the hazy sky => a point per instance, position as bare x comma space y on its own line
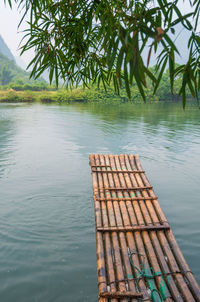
9, 20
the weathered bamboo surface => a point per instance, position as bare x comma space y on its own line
138, 258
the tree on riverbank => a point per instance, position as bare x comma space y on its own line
85, 41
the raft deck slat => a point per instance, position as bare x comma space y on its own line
119, 171
125, 199
121, 295
134, 228
127, 188
133, 236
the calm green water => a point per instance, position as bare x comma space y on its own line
47, 238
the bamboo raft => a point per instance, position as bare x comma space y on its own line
138, 258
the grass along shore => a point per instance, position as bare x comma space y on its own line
66, 96
12, 96
83, 95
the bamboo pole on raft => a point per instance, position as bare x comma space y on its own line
101, 255
144, 234
162, 238
117, 243
158, 250
126, 220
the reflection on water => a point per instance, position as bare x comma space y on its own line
47, 236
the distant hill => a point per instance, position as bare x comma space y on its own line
7, 61
10, 65
10, 71
5, 50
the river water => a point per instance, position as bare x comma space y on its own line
47, 234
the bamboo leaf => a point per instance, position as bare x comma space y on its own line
138, 81
184, 97
51, 74
171, 69
160, 75
127, 85
119, 61
150, 75
171, 44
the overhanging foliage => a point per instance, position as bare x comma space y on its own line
83, 41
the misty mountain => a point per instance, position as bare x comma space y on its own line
4, 50
7, 60
9, 68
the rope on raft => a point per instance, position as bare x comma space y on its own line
149, 274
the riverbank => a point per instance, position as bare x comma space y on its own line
13, 96
62, 95
70, 96
83, 95
79, 95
